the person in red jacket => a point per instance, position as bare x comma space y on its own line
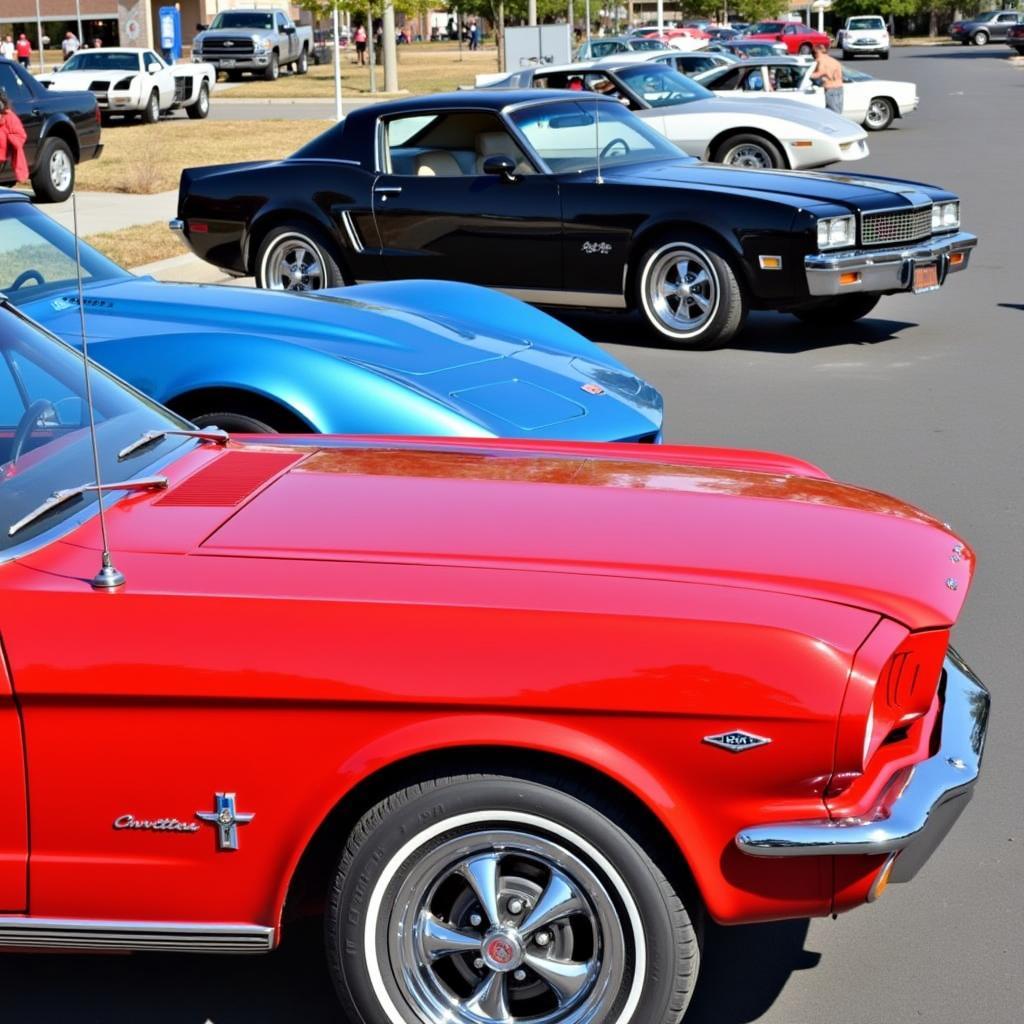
12, 139
23, 48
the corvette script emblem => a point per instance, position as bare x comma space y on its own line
737, 740
227, 820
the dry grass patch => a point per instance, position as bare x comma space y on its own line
147, 158
138, 245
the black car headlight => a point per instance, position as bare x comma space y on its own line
945, 216
836, 232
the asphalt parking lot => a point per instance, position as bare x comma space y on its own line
920, 401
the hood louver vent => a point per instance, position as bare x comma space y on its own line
229, 480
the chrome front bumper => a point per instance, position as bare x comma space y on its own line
917, 810
885, 270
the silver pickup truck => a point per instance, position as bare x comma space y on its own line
258, 41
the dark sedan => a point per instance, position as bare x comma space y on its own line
567, 200
985, 28
1015, 38
63, 129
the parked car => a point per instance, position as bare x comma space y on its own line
864, 36
608, 46
406, 358
693, 63
1015, 38
872, 102
572, 201
136, 82
795, 35
719, 33
675, 38
747, 48
782, 135
63, 130
261, 41
510, 716
984, 28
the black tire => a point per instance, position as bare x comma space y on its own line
881, 113
742, 150
708, 328
302, 64
151, 112
847, 55
199, 110
54, 177
806, 48
272, 70
234, 423
980, 38
844, 309
275, 246
884, 55
234, 76
396, 843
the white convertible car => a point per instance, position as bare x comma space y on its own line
781, 134
136, 82
872, 102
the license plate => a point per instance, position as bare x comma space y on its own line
926, 278
227, 63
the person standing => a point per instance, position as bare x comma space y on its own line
359, 38
828, 73
69, 44
12, 139
7, 48
23, 49
474, 34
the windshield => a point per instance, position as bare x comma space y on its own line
37, 256
569, 136
850, 75
660, 86
44, 436
97, 60
865, 24
243, 19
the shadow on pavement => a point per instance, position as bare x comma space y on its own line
991, 51
745, 968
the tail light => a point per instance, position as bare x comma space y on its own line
99, 116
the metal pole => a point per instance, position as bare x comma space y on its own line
39, 36
390, 49
337, 67
371, 49
661, 17
78, 18
531, 12
458, 30
587, 16
572, 31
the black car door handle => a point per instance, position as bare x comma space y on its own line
36, 112
388, 190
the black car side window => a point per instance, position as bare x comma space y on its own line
12, 84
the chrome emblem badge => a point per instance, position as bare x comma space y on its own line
596, 248
736, 740
951, 583
227, 819
592, 389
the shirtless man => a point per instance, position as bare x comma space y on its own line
828, 72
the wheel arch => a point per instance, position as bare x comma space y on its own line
727, 133
267, 220
60, 127
272, 411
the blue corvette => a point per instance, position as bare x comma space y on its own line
405, 357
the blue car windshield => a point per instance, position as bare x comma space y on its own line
37, 256
661, 86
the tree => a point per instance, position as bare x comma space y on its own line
844, 9
753, 11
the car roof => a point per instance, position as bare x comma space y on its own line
118, 49
10, 195
473, 99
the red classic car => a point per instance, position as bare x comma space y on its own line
796, 35
511, 716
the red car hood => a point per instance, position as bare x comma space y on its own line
743, 519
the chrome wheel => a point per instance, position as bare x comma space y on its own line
681, 289
749, 154
504, 926
61, 170
879, 115
293, 264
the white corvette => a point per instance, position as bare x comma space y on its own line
136, 82
872, 102
780, 134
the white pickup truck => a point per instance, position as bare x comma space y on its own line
258, 41
864, 35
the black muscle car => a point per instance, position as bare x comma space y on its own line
63, 129
569, 200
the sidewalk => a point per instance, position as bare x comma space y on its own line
189, 269
111, 211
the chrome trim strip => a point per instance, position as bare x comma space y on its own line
553, 297
177, 225
912, 801
65, 933
350, 230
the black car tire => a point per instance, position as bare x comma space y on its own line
302, 64
233, 423
980, 38
54, 177
847, 55
710, 278
201, 108
806, 48
512, 831
151, 112
884, 55
234, 76
880, 114
271, 71
844, 309
282, 246
732, 151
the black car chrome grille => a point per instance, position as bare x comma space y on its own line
240, 46
890, 227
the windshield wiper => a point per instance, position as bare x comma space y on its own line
59, 498
213, 434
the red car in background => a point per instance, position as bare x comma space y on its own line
796, 35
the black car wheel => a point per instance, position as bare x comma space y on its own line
296, 260
844, 309
847, 55
806, 48
271, 71
690, 295
54, 178
302, 64
749, 151
479, 899
151, 113
201, 107
234, 423
880, 115
980, 38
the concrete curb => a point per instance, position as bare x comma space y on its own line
289, 101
